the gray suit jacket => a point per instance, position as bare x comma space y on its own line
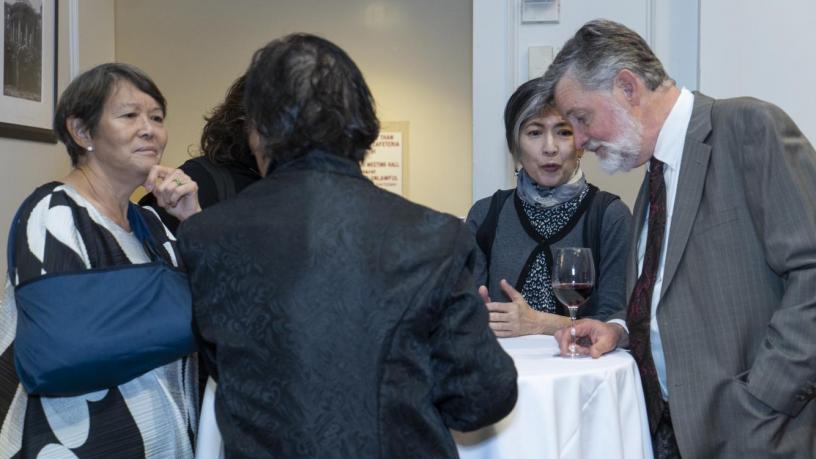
737, 312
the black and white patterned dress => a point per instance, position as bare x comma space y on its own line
151, 416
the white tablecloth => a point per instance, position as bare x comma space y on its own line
567, 408
208, 439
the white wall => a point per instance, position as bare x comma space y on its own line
415, 56
761, 49
26, 164
500, 58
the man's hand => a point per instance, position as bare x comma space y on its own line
603, 337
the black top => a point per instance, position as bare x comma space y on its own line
344, 319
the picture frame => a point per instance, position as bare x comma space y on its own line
386, 164
29, 70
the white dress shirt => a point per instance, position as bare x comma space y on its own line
669, 150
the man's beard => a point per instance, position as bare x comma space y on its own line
620, 154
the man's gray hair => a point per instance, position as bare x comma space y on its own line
598, 51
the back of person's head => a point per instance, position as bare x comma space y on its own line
85, 97
224, 137
598, 51
304, 93
527, 102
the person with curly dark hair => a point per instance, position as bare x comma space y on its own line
226, 164
343, 318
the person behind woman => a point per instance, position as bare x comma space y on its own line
552, 206
343, 316
226, 165
111, 120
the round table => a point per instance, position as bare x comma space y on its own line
566, 408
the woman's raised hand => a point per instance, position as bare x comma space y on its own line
174, 190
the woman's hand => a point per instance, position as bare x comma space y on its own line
174, 190
517, 318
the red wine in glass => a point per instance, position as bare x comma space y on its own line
572, 295
573, 275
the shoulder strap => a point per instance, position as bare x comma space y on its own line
593, 226
224, 184
13, 227
10, 241
486, 232
142, 232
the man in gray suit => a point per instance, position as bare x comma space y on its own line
722, 267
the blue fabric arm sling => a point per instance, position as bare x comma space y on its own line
79, 332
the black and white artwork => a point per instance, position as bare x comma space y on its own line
23, 49
29, 69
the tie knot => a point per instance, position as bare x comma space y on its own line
655, 167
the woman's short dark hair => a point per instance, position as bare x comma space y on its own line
305, 93
527, 102
85, 98
224, 138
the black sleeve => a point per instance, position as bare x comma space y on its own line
475, 378
192, 250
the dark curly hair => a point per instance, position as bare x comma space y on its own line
85, 98
224, 138
305, 93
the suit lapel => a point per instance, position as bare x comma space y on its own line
693, 169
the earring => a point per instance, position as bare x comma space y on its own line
89, 148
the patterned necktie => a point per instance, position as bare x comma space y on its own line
640, 304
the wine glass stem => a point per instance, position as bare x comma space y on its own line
572, 346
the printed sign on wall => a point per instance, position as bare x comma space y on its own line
385, 164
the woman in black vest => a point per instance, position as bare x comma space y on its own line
552, 206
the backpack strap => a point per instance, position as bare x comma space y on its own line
224, 184
13, 230
10, 241
486, 232
593, 226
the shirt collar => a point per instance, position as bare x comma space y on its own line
672, 137
319, 160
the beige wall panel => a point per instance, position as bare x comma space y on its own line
415, 55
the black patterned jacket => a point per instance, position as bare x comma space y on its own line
341, 319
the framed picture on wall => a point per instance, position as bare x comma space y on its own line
29, 73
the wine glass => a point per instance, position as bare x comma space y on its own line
573, 276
